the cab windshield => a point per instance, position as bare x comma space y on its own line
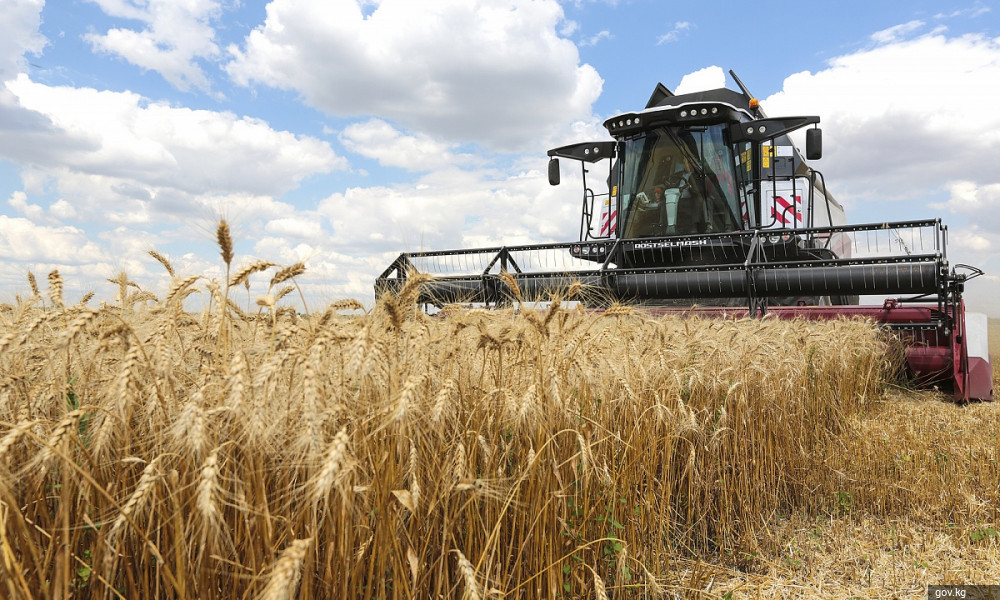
679, 181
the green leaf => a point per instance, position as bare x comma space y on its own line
983, 533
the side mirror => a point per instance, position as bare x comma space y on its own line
814, 143
553, 171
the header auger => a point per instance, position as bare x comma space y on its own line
709, 207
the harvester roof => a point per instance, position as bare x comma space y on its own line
721, 105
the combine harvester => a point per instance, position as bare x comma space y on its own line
709, 206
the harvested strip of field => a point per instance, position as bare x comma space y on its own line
920, 509
149, 452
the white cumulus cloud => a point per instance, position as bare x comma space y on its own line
453, 208
23, 240
295, 227
709, 78
496, 73
377, 139
153, 154
19, 22
904, 116
175, 37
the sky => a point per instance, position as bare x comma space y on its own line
340, 133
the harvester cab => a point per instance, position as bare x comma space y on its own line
711, 162
708, 206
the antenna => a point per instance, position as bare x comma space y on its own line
751, 99
743, 88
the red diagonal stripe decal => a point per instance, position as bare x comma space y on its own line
785, 204
608, 220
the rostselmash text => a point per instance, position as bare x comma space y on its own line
674, 244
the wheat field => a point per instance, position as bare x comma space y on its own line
256, 451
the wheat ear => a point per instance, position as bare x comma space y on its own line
600, 592
208, 489
336, 457
56, 288
163, 261
150, 475
285, 578
287, 273
255, 267
468, 576
225, 241
34, 285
